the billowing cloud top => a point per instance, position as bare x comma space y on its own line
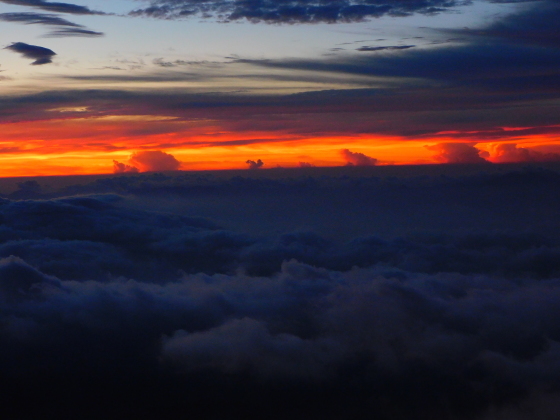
154, 160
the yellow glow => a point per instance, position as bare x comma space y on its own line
89, 145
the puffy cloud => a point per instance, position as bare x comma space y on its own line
41, 55
154, 160
510, 152
101, 297
305, 330
457, 153
255, 165
357, 159
246, 344
121, 168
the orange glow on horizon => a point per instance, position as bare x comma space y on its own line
71, 146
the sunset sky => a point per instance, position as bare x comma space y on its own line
91, 86
384, 244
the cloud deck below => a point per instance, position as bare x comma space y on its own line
120, 297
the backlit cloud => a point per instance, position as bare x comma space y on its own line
121, 168
457, 153
509, 153
154, 160
254, 165
357, 159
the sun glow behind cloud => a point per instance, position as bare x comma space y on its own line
88, 145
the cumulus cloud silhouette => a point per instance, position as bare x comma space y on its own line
154, 160
41, 55
357, 159
121, 168
510, 152
255, 165
457, 153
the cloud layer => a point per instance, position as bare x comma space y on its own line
297, 11
107, 297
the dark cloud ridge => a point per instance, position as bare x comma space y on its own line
54, 7
37, 19
67, 28
297, 11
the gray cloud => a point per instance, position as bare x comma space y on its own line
388, 48
67, 28
534, 25
298, 11
54, 7
37, 19
79, 32
40, 55
105, 294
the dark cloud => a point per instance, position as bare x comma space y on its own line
107, 297
533, 25
390, 48
357, 159
255, 165
67, 28
304, 334
465, 111
41, 55
298, 11
154, 160
59, 33
54, 7
37, 19
485, 61
457, 153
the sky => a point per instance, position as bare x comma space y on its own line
95, 87
385, 243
